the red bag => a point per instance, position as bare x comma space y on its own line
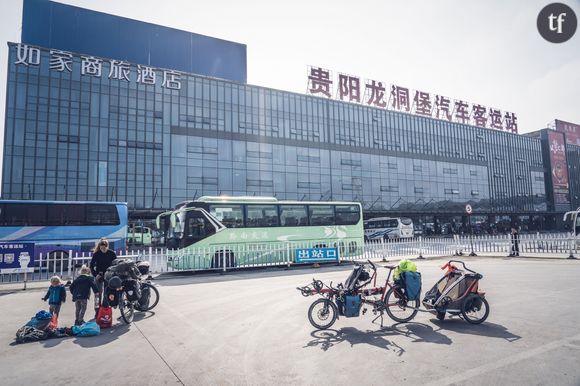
53, 322
105, 317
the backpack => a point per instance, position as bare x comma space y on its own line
104, 317
30, 334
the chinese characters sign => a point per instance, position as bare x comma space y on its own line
397, 98
559, 169
92, 66
571, 130
316, 255
16, 257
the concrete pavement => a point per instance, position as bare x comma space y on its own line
252, 328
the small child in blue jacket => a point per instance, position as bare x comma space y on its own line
56, 295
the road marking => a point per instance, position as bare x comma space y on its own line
158, 354
504, 362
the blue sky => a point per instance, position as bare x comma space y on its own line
486, 52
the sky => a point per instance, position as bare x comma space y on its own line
486, 52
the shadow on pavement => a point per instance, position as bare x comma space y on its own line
142, 315
488, 329
325, 339
107, 336
418, 332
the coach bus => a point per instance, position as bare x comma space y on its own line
58, 227
214, 231
575, 217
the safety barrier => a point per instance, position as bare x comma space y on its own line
240, 256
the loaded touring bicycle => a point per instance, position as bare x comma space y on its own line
456, 293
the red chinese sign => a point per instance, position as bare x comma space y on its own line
398, 98
559, 168
571, 130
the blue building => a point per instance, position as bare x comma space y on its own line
101, 107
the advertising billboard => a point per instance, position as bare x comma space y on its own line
571, 130
559, 170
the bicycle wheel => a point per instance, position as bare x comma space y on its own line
127, 308
153, 298
322, 314
398, 308
475, 309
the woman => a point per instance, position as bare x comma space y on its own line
102, 259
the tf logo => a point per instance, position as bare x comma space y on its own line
557, 23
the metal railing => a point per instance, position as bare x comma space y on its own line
250, 255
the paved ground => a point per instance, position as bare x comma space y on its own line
252, 328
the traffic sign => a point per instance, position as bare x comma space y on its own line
468, 209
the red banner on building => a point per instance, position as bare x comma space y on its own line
571, 130
559, 168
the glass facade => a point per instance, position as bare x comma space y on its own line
71, 136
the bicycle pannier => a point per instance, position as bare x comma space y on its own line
352, 306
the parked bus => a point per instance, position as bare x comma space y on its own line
57, 227
388, 228
575, 218
237, 231
139, 236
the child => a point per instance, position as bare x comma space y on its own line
56, 295
81, 291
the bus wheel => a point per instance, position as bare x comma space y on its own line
352, 247
218, 259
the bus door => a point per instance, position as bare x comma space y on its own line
575, 217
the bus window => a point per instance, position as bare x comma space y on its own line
75, 215
102, 215
321, 215
36, 215
293, 215
347, 214
261, 216
16, 214
232, 216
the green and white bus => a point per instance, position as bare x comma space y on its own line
221, 231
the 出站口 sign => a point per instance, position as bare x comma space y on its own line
398, 98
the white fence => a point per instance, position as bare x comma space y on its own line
225, 258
